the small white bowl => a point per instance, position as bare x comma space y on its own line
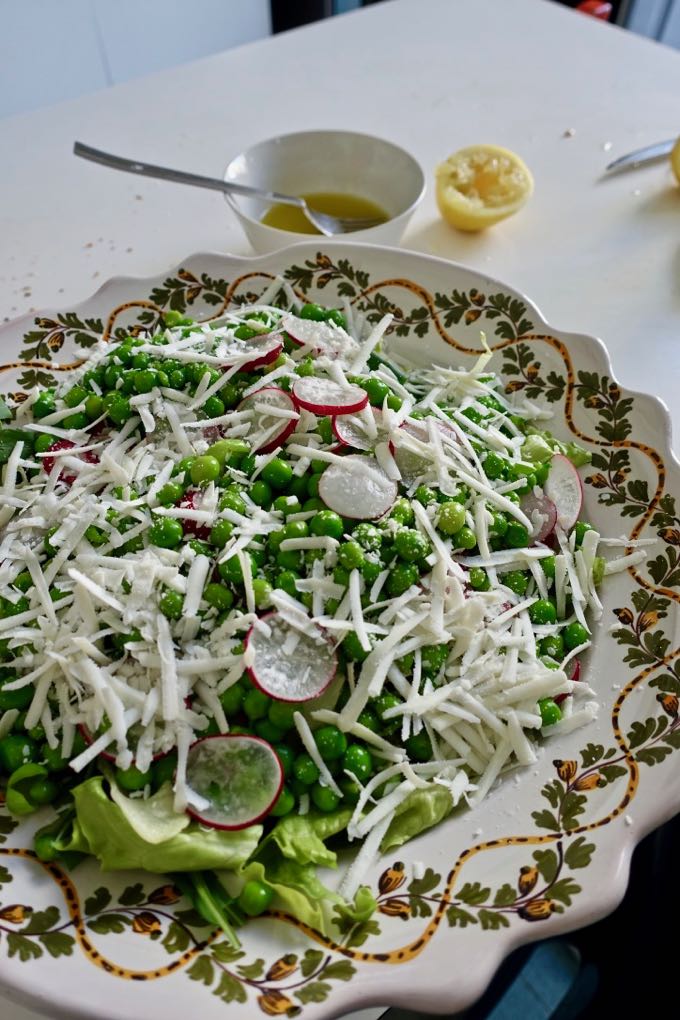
335, 161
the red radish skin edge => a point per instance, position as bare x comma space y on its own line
277, 697
575, 676
263, 359
251, 821
287, 428
329, 409
336, 425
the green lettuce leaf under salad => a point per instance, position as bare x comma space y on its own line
272, 528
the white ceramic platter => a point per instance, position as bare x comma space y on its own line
547, 851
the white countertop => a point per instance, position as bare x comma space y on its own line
566, 92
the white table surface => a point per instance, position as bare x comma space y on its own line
565, 91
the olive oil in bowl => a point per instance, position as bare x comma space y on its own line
288, 217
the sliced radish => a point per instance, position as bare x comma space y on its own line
286, 663
564, 488
413, 465
323, 337
542, 513
351, 430
575, 676
264, 349
323, 396
233, 780
191, 500
357, 488
269, 431
89, 456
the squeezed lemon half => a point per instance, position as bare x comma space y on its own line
481, 185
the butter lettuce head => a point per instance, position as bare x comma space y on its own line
117, 834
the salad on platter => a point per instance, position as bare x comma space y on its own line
268, 593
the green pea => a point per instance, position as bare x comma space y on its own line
551, 712
517, 581
144, 380
370, 570
266, 729
221, 533
499, 524
281, 714
76, 421
305, 769
313, 485
553, 645
17, 749
289, 560
542, 471
171, 604
331, 742
327, 522
20, 698
493, 465
231, 700
369, 719
580, 529
256, 704
401, 578
287, 505
353, 648
377, 391
574, 634
261, 493
425, 495
433, 658
42, 791
262, 591
286, 756
231, 571
465, 539
473, 415
248, 464
419, 747
351, 791
357, 760
325, 430
255, 898
368, 536
119, 410
244, 333
548, 566
232, 501
285, 803
23, 581
286, 581
213, 407
542, 612
163, 770
351, 555
411, 545
166, 532
170, 493
314, 312
451, 517
218, 596
52, 758
402, 511
278, 473
336, 316
205, 469
324, 798
295, 529
478, 579
44, 404
94, 406
517, 536
381, 705
43, 443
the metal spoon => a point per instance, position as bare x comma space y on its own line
328, 225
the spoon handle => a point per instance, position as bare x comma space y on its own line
164, 173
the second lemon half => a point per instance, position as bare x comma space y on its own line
481, 185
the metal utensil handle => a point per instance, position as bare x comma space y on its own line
164, 173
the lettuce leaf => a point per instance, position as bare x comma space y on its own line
103, 829
539, 446
301, 837
155, 819
419, 811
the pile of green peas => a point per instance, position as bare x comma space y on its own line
105, 391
